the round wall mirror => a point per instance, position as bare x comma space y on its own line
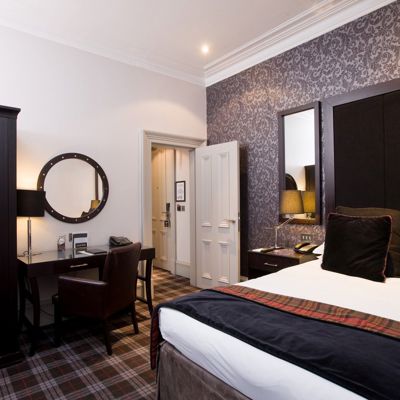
76, 187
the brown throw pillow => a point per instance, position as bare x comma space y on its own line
357, 246
394, 248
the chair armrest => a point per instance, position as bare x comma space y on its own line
82, 297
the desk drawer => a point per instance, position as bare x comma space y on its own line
77, 264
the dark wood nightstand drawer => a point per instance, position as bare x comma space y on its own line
265, 263
270, 261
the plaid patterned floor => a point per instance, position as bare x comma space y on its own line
81, 369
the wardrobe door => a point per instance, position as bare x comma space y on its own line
392, 149
359, 153
9, 349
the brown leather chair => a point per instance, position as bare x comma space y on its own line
101, 299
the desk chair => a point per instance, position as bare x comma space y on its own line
101, 299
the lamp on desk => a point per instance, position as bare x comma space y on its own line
291, 203
30, 203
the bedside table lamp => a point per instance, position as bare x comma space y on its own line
308, 203
30, 203
291, 203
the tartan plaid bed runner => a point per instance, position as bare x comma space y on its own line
316, 310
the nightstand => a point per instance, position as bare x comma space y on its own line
265, 263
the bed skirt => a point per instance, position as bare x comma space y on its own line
179, 378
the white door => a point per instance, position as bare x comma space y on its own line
163, 216
217, 215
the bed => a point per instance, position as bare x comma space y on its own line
197, 358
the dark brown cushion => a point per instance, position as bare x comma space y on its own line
357, 246
394, 248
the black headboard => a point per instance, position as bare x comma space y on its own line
362, 148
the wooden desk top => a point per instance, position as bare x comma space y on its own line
60, 262
69, 255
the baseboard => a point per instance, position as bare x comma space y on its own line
9, 359
182, 269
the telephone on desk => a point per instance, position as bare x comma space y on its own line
305, 247
116, 241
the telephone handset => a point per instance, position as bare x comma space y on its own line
305, 247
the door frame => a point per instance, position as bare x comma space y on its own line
147, 139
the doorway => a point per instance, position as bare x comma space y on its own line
171, 207
214, 213
185, 249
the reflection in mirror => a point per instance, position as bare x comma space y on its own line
299, 158
80, 192
76, 187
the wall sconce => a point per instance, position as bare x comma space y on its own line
30, 203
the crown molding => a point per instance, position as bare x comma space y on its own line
163, 67
322, 18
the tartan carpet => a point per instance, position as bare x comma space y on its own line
81, 368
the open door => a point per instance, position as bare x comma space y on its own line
217, 215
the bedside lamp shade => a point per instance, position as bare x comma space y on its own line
94, 204
30, 203
308, 201
291, 202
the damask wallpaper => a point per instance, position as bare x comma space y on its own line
244, 108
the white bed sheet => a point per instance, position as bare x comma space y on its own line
260, 375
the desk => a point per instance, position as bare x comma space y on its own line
60, 262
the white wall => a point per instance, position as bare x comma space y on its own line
73, 101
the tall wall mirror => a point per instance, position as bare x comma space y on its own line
299, 164
76, 187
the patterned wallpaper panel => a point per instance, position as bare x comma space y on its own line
244, 107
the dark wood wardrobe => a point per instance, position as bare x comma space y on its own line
363, 148
9, 348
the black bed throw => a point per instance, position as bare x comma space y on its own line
364, 362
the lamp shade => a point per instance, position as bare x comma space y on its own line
291, 202
94, 204
308, 201
30, 203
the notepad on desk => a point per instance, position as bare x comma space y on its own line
96, 251
90, 252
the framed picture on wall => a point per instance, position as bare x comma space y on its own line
180, 191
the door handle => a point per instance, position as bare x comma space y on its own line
230, 220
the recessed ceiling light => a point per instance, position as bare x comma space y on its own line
205, 49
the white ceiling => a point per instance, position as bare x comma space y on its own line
166, 35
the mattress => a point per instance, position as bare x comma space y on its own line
260, 375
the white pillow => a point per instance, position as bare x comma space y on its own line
319, 249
